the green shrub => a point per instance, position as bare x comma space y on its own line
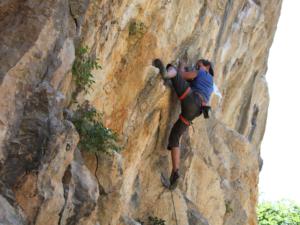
82, 68
94, 136
153, 221
156, 221
228, 207
278, 213
137, 28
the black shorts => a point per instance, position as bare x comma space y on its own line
190, 109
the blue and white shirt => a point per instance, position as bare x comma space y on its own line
203, 83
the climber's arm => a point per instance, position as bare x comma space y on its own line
189, 75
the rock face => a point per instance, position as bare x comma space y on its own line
46, 180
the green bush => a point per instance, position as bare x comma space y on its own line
82, 68
278, 213
153, 221
156, 221
94, 136
137, 28
228, 207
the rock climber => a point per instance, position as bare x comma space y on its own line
193, 89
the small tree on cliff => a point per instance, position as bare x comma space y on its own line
94, 136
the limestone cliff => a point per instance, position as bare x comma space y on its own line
46, 180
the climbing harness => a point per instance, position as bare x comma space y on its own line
184, 120
204, 107
185, 93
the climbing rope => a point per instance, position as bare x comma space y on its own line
174, 208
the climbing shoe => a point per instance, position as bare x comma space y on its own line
160, 65
174, 178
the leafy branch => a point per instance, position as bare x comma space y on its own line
82, 69
94, 136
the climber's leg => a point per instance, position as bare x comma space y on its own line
175, 154
177, 130
174, 178
181, 86
189, 110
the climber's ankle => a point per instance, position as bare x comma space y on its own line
175, 170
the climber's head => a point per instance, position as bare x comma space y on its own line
205, 65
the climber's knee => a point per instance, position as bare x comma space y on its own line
181, 86
176, 133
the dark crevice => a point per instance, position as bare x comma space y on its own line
101, 188
135, 197
246, 107
257, 2
66, 182
202, 11
221, 30
253, 121
77, 11
260, 162
243, 115
74, 18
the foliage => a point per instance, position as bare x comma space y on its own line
137, 28
82, 69
228, 207
153, 221
94, 136
278, 213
